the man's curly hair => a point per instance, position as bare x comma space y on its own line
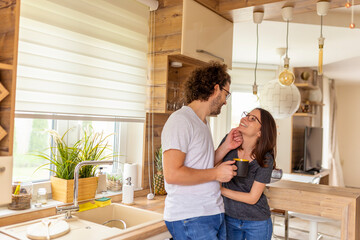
201, 82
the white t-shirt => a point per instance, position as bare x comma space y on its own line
185, 131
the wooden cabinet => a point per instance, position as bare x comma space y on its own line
205, 35
9, 29
309, 113
186, 31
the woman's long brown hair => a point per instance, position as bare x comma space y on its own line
266, 143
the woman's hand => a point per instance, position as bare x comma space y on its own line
224, 191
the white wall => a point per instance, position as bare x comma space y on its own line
284, 141
348, 119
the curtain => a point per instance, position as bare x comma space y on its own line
336, 173
83, 57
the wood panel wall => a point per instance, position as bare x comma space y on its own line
152, 141
164, 47
165, 26
9, 31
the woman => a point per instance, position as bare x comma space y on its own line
247, 212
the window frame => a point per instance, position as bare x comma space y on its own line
120, 131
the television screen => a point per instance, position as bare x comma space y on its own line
313, 148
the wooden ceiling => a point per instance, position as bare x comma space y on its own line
242, 10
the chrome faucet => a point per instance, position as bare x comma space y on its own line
75, 206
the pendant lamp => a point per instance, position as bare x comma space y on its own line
322, 9
257, 18
286, 77
281, 101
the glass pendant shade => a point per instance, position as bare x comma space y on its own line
281, 101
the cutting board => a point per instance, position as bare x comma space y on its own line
38, 231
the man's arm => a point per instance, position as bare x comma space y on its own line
175, 172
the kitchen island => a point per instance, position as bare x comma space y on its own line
320, 200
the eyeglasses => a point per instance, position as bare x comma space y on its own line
250, 117
228, 93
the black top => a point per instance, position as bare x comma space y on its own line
259, 211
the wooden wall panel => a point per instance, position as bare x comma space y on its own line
7, 33
9, 30
152, 141
6, 113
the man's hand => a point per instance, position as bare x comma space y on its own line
234, 139
225, 171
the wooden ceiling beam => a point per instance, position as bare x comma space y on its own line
242, 10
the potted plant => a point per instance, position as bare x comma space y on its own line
159, 186
91, 147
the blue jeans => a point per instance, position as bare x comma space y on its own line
199, 228
249, 230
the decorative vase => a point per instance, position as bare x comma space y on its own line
63, 190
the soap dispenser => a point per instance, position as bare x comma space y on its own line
101, 181
128, 192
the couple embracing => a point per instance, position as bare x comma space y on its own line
197, 206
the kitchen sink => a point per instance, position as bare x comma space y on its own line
89, 224
133, 217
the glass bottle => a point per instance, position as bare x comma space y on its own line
41, 196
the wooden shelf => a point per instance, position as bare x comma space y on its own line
6, 66
304, 115
305, 85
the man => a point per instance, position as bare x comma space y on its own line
194, 206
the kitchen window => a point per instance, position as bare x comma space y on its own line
31, 137
241, 101
80, 64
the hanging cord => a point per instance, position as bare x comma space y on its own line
150, 130
287, 37
255, 89
321, 25
257, 51
352, 12
153, 97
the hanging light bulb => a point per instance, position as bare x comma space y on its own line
347, 4
257, 18
286, 77
322, 8
352, 24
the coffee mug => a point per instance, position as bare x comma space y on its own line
242, 167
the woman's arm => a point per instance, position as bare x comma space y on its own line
250, 198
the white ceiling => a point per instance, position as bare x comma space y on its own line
341, 49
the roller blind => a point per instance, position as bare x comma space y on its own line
83, 57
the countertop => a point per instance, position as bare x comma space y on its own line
157, 205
